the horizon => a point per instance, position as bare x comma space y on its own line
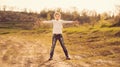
65, 5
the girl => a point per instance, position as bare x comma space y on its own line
57, 34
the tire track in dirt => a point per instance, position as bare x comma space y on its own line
30, 53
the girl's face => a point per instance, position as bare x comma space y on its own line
57, 17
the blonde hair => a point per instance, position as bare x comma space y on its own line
57, 13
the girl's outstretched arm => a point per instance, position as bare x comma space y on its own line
47, 21
63, 21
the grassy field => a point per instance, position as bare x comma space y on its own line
95, 46
88, 47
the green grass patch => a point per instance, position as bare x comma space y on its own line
79, 29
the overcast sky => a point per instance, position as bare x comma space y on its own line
37, 5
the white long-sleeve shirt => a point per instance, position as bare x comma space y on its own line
57, 25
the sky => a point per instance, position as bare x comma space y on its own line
37, 5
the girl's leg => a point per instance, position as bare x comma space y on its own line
54, 39
63, 46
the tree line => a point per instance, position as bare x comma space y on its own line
84, 16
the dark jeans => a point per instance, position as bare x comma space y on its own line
54, 40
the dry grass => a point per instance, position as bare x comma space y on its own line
88, 47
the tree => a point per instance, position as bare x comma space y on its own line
4, 8
117, 17
43, 14
118, 10
48, 16
75, 15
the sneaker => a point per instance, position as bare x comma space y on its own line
50, 59
68, 58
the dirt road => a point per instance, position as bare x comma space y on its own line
17, 51
28, 50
